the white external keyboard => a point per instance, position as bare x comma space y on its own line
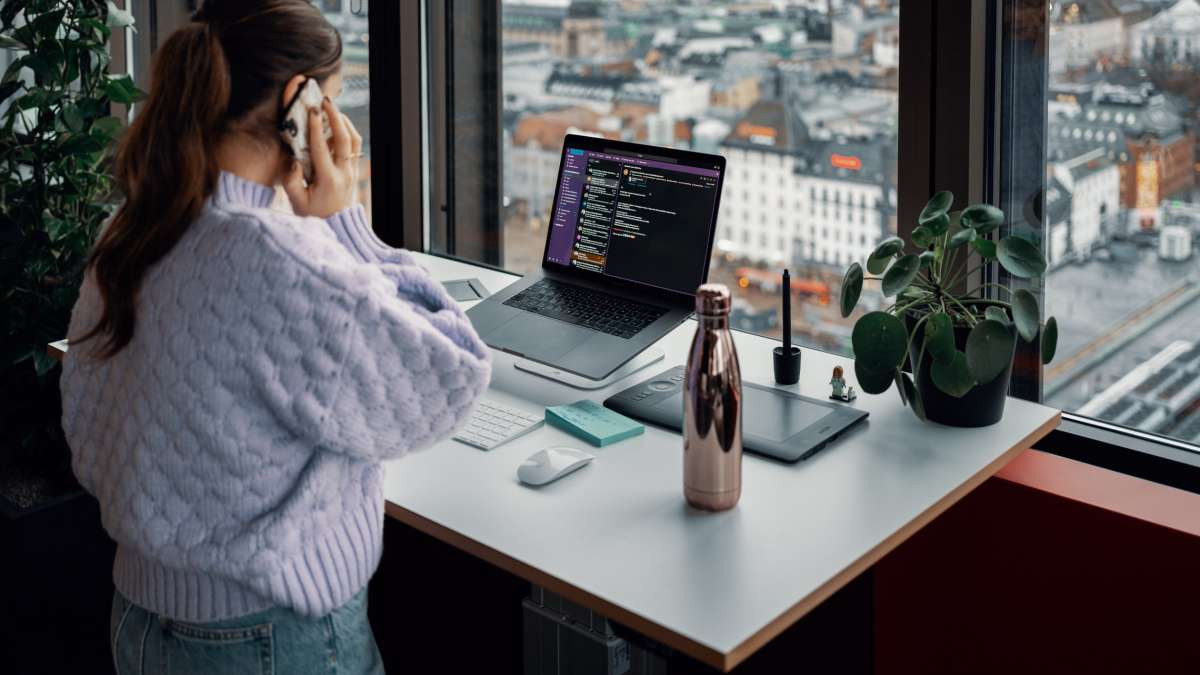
493, 424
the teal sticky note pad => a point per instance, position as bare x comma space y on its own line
592, 422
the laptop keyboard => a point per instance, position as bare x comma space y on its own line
585, 307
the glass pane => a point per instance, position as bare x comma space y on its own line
350, 18
800, 97
7, 56
1121, 212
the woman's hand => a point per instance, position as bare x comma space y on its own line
335, 167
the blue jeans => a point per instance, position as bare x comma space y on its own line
274, 641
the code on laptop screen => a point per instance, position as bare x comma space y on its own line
633, 218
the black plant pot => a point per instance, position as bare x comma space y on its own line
982, 405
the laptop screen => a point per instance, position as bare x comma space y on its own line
646, 218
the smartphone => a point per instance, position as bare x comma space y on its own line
294, 125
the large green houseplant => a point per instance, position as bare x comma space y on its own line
56, 131
959, 344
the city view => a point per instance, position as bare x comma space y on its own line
350, 18
801, 97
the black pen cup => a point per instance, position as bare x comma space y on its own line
787, 366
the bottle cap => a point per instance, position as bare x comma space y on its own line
712, 300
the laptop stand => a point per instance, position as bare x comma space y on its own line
646, 358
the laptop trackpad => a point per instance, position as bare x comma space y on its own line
538, 337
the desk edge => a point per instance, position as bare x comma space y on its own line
531, 574
793, 614
704, 653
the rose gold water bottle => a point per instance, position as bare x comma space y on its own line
712, 408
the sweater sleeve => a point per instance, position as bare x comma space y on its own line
400, 365
354, 232
412, 281
411, 375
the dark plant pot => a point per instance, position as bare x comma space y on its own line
983, 405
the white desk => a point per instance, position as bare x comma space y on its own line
618, 537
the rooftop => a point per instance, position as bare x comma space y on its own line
1183, 18
1084, 12
548, 129
1058, 200
1108, 117
771, 126
1088, 163
765, 126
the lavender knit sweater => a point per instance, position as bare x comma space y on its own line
235, 443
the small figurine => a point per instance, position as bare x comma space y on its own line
841, 392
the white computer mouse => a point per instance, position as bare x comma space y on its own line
548, 465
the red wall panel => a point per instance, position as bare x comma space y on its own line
1016, 579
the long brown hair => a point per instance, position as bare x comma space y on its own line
223, 72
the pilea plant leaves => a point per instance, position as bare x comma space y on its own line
1025, 314
961, 238
870, 381
852, 284
952, 375
996, 314
989, 350
937, 205
879, 259
1020, 258
900, 274
982, 218
879, 341
927, 287
908, 392
937, 225
1049, 339
985, 247
939, 336
922, 236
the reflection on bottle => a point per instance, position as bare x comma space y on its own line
712, 408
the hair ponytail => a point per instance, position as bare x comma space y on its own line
172, 140
222, 71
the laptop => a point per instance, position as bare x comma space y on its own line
630, 236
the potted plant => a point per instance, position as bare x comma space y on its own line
959, 344
56, 132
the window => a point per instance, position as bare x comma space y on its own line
351, 19
1117, 228
700, 76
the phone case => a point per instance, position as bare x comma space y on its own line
294, 127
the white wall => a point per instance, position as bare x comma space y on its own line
1057, 244
766, 207
1079, 45
530, 173
684, 97
1095, 197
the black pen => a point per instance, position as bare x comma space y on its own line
787, 312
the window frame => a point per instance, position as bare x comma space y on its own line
397, 149
463, 43
953, 92
1149, 456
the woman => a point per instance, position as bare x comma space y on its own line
236, 374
